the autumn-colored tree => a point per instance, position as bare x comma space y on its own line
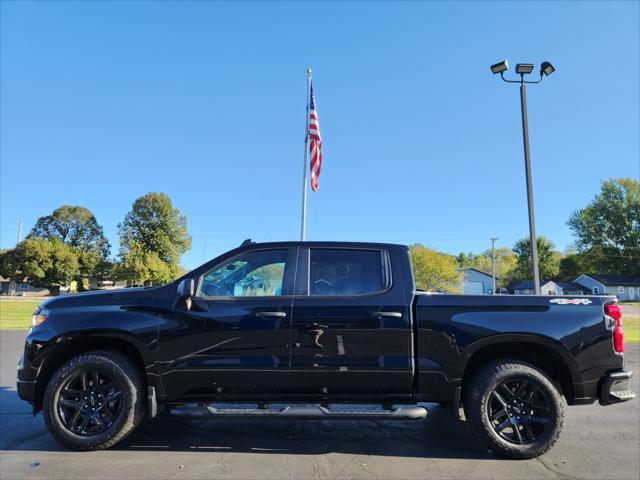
433, 270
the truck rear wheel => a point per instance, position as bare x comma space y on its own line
94, 400
516, 408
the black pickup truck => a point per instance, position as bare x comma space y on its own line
330, 330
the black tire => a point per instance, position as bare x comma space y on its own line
129, 404
516, 426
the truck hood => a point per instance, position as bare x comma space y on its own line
122, 296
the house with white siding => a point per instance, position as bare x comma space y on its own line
547, 287
625, 287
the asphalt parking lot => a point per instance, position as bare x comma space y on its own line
596, 442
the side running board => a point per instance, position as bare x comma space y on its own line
309, 412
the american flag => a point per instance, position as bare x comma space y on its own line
315, 144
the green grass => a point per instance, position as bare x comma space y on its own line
16, 313
631, 325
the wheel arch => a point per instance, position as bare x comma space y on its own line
541, 352
64, 350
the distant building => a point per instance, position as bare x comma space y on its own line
96, 283
547, 287
21, 289
476, 281
573, 288
625, 287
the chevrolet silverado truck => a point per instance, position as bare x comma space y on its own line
319, 331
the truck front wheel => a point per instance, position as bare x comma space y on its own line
516, 408
94, 400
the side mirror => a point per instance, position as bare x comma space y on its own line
186, 290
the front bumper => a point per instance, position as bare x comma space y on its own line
30, 363
27, 390
615, 387
26, 386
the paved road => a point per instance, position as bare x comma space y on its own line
596, 442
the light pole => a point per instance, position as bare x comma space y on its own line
493, 261
523, 69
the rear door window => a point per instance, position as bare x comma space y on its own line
336, 272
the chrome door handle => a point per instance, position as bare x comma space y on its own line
271, 314
387, 314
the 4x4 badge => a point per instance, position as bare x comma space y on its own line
571, 301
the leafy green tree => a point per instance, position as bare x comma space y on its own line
572, 266
43, 263
607, 230
153, 237
548, 261
144, 266
75, 226
434, 270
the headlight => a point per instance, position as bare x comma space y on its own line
39, 316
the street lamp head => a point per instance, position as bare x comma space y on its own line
500, 67
524, 68
546, 68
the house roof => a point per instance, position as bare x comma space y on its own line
571, 286
528, 284
479, 271
628, 280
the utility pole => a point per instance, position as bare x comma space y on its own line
493, 261
19, 222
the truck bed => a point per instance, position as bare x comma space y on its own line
569, 333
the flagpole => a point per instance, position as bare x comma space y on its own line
303, 225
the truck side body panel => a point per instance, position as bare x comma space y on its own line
451, 328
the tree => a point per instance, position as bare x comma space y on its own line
43, 263
572, 266
548, 261
74, 225
607, 230
153, 237
140, 265
77, 227
434, 270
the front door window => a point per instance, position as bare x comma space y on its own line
253, 274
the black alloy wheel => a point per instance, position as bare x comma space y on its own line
519, 410
515, 407
94, 400
89, 402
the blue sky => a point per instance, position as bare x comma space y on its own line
103, 102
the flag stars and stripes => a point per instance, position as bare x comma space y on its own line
315, 142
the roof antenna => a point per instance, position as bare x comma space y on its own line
246, 242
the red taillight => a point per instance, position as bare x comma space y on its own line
613, 310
